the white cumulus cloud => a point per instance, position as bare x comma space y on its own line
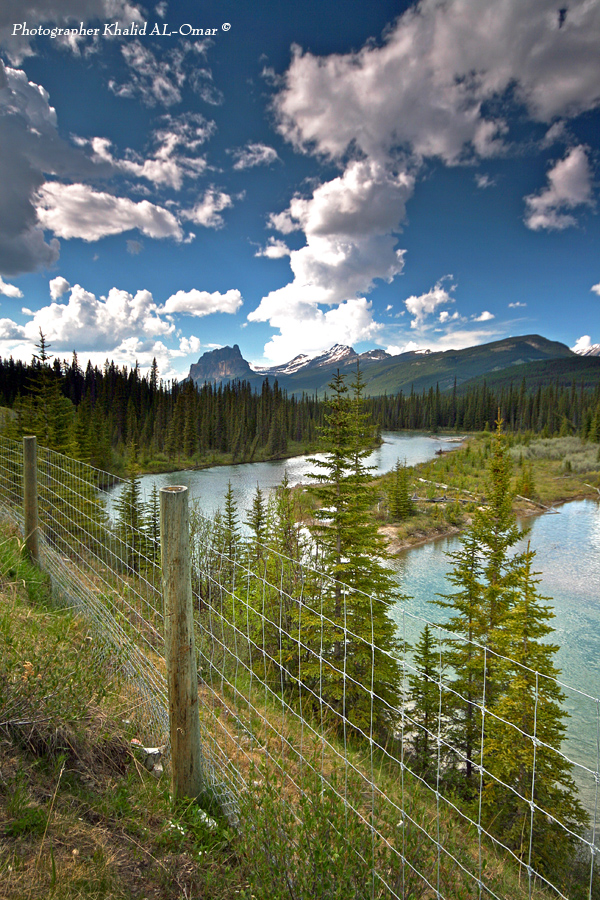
426, 304
207, 211
581, 344
306, 326
569, 186
202, 303
427, 84
348, 224
596, 288
485, 316
9, 290
254, 155
88, 322
189, 345
275, 249
77, 211
58, 287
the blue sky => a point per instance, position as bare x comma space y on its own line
286, 176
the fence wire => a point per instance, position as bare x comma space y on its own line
277, 644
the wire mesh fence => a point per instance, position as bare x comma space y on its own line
443, 793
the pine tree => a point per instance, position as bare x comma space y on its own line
425, 696
400, 503
524, 755
47, 413
153, 525
131, 517
360, 640
465, 655
496, 532
485, 574
258, 522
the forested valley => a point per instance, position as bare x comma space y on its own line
97, 413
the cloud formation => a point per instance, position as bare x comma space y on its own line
202, 303
349, 245
32, 149
58, 287
569, 186
427, 87
10, 290
596, 288
274, 249
77, 211
254, 155
207, 211
582, 344
160, 81
426, 304
436, 87
175, 156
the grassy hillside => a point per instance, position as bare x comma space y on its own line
80, 817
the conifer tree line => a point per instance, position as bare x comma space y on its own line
551, 410
94, 415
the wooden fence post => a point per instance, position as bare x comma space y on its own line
30, 498
180, 652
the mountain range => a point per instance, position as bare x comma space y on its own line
531, 354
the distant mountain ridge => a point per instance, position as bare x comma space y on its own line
338, 355
383, 373
592, 350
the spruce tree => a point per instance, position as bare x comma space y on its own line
131, 517
465, 654
400, 503
524, 737
425, 697
356, 633
258, 523
485, 574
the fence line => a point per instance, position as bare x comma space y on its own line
263, 628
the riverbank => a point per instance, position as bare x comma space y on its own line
446, 490
162, 464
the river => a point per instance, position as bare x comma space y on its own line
209, 486
567, 545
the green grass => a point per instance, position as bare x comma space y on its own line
79, 816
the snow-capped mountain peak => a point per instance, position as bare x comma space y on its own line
592, 350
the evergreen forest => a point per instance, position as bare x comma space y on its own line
95, 413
